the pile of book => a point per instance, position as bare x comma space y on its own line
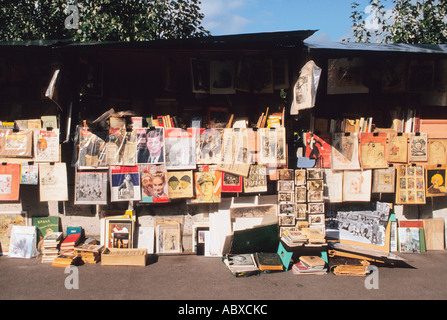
89, 251
294, 238
69, 243
65, 261
314, 236
253, 262
310, 265
50, 246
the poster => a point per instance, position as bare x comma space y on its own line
384, 180
208, 185
180, 184
410, 184
46, 145
209, 145
53, 182
16, 144
7, 221
318, 147
398, 148
92, 148
154, 187
345, 151
29, 173
9, 181
150, 145
272, 146
346, 75
435, 180
373, 150
122, 147
418, 147
91, 187
236, 152
357, 185
180, 149
125, 183
305, 88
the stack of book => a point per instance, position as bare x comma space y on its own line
89, 252
310, 265
314, 236
294, 238
241, 263
65, 261
68, 244
50, 246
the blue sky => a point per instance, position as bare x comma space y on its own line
330, 17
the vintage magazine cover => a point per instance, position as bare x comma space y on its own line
180, 184
122, 147
208, 185
9, 181
125, 183
398, 148
231, 182
180, 149
272, 146
437, 151
373, 150
318, 147
435, 180
91, 187
209, 145
92, 148
46, 145
154, 187
418, 147
410, 184
256, 180
357, 185
150, 145
16, 144
53, 182
7, 221
345, 151
236, 153
384, 180
29, 173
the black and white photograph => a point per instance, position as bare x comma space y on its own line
91, 187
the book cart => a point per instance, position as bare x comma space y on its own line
340, 152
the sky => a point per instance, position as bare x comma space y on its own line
330, 17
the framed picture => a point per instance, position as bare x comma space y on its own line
300, 177
285, 196
222, 76
313, 208
286, 220
119, 232
316, 218
346, 75
301, 194
314, 173
168, 238
409, 240
301, 211
315, 190
435, 180
200, 75
287, 208
410, 184
286, 174
91, 187
384, 180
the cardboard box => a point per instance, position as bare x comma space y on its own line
124, 257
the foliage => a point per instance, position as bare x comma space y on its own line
407, 21
100, 20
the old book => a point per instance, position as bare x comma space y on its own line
313, 262
268, 261
342, 266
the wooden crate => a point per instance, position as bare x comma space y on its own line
124, 257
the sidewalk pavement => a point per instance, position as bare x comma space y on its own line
194, 279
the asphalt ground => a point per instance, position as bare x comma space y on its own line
184, 282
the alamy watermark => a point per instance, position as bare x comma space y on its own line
72, 280
72, 21
372, 279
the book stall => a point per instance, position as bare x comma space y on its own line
290, 171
